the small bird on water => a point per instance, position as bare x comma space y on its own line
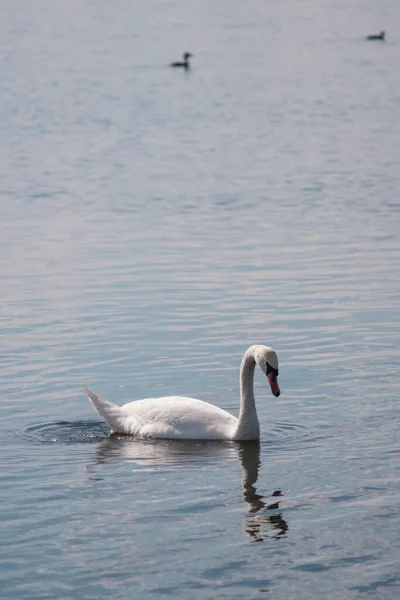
185, 63
377, 36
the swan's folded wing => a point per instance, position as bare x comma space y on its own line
180, 417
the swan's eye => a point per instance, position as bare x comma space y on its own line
274, 372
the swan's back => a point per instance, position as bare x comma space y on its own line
173, 417
180, 417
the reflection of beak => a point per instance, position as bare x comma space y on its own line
273, 382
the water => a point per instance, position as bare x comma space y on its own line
154, 223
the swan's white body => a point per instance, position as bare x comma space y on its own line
179, 417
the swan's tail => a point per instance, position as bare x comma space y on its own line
112, 414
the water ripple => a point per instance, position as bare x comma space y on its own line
79, 432
67, 432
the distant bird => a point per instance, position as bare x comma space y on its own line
377, 36
185, 63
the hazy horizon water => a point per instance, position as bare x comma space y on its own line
154, 224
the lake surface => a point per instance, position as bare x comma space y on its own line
154, 224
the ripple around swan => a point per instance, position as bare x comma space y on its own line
67, 432
81, 432
282, 431
284, 436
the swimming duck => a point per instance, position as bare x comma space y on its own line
377, 36
185, 63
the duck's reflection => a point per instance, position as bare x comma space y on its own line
261, 523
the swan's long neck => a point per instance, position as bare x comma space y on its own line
248, 426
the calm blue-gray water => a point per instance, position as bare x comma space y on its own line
154, 224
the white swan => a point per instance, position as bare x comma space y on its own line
178, 417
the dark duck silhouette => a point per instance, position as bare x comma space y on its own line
377, 36
185, 63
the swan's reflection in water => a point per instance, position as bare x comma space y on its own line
152, 455
260, 523
155, 455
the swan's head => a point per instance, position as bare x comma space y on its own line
187, 55
267, 360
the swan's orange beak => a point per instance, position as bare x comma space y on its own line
273, 382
